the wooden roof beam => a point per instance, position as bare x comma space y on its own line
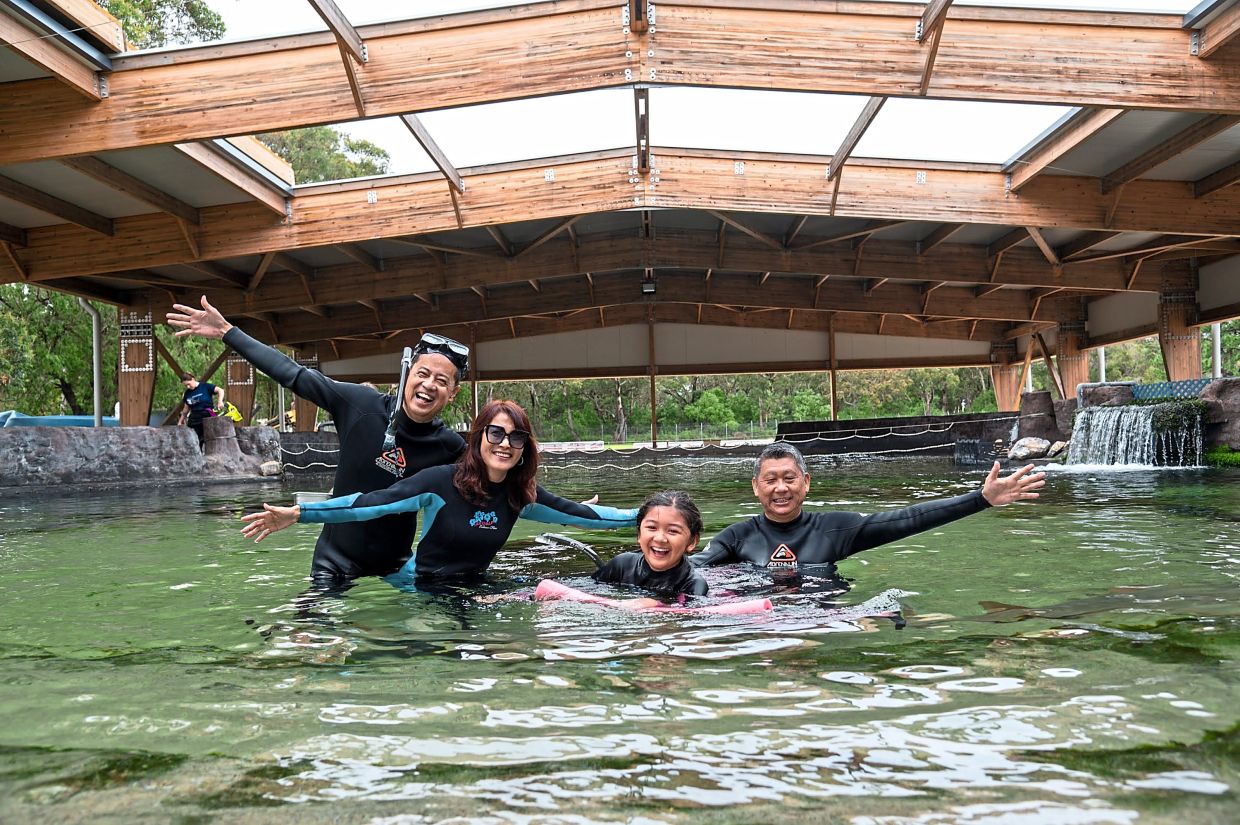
1073, 132
753, 233
1161, 244
561, 226
1198, 133
937, 237
126, 183
1206, 41
94, 23
360, 255
341, 29
260, 271
12, 234
864, 232
219, 273
929, 34
226, 167
294, 82
52, 205
1215, 181
1082, 244
502, 242
1040, 241
36, 39
1006, 242
868, 112
294, 265
436, 154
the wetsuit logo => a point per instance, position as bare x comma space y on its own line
393, 461
783, 557
484, 521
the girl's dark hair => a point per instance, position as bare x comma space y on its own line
677, 499
470, 476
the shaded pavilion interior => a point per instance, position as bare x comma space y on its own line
129, 178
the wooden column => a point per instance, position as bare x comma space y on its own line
834, 363
305, 411
1072, 359
239, 386
1179, 340
1005, 375
654, 370
136, 382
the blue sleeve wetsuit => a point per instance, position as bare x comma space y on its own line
631, 568
825, 538
459, 537
372, 548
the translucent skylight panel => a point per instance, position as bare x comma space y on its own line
756, 121
944, 130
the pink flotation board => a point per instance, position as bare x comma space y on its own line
549, 590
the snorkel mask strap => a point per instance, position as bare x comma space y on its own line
389, 435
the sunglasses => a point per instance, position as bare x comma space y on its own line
496, 434
454, 351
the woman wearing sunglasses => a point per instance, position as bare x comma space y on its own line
468, 508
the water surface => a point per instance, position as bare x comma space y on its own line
1071, 661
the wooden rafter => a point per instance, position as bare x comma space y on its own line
937, 237
14, 235
863, 121
561, 226
1071, 134
864, 232
436, 154
211, 158
1042, 244
794, 229
70, 73
1227, 176
1220, 31
52, 205
1082, 244
1007, 241
502, 242
1198, 133
357, 253
122, 181
741, 227
929, 34
219, 273
260, 271
11, 257
1160, 244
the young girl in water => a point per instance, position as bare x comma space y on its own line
668, 526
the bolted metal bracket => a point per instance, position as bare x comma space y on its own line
549, 175
738, 168
365, 53
101, 84
1194, 42
921, 178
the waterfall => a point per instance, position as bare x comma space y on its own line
1127, 435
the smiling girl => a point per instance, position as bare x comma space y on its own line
668, 526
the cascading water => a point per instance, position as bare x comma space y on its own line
1134, 434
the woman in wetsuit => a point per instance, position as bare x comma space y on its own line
468, 508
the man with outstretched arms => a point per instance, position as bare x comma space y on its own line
785, 537
382, 439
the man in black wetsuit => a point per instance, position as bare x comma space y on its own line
786, 538
362, 415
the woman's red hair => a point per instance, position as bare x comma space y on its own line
471, 473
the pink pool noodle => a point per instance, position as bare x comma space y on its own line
548, 590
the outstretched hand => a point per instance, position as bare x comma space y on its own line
272, 520
207, 322
1019, 486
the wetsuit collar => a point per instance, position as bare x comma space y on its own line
785, 525
409, 428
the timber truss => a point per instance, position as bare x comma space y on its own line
127, 178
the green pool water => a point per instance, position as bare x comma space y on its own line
1071, 661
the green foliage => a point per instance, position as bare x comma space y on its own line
321, 153
152, 23
1221, 456
1175, 414
45, 353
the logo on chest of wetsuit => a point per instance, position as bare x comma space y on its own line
393, 461
783, 557
485, 521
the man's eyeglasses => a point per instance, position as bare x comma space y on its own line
454, 351
496, 434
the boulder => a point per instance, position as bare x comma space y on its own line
1107, 395
261, 442
1222, 418
1028, 448
1057, 449
1065, 410
269, 468
1037, 416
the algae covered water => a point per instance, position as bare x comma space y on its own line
1070, 661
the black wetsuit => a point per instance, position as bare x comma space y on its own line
825, 538
631, 568
459, 537
374, 548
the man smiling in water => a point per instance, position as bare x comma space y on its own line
785, 537
382, 439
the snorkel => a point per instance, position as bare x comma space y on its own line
389, 435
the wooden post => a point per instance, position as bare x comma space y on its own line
1005, 377
1072, 360
239, 386
136, 382
305, 411
834, 364
1050, 365
1179, 340
654, 407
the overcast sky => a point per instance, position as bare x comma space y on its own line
699, 118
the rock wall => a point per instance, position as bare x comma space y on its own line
1042, 417
1222, 420
88, 455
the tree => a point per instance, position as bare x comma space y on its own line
151, 23
321, 153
